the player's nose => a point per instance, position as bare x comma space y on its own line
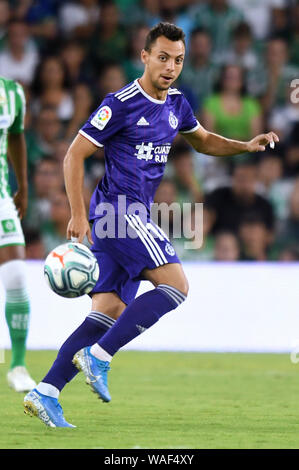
170, 65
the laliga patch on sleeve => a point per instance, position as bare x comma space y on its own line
102, 117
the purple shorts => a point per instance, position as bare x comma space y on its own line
122, 259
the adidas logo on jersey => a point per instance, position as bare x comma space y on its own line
141, 328
142, 122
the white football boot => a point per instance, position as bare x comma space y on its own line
19, 379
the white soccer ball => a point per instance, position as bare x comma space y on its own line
71, 270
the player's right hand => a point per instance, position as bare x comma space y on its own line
77, 228
258, 143
20, 199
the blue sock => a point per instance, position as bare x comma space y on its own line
63, 370
139, 315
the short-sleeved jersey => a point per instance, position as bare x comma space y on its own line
12, 112
136, 131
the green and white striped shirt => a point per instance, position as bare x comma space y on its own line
12, 112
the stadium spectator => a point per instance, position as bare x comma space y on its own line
110, 79
47, 179
292, 152
256, 238
229, 205
219, 18
73, 54
171, 11
199, 73
283, 119
53, 231
135, 12
34, 245
200, 247
269, 171
188, 186
132, 65
241, 51
109, 41
258, 15
46, 182
168, 216
78, 19
4, 19
273, 186
231, 112
19, 55
289, 254
41, 139
280, 25
60, 149
294, 41
50, 88
82, 99
271, 81
227, 247
40, 16
289, 234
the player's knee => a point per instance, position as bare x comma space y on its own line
108, 303
13, 274
183, 287
114, 309
177, 291
117, 310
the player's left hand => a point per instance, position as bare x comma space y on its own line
259, 143
20, 200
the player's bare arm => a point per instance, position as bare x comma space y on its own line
213, 144
79, 150
18, 156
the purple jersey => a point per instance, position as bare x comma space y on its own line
137, 132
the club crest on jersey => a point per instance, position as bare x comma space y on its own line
102, 117
169, 249
173, 121
148, 152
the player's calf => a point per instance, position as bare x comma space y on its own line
138, 316
17, 310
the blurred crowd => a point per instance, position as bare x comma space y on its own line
241, 77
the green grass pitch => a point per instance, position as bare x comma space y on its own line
166, 400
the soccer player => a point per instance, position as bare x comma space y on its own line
136, 125
12, 244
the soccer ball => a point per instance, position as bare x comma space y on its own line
71, 270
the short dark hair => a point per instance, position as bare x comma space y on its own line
47, 159
199, 30
226, 232
245, 164
242, 30
253, 218
169, 30
15, 21
218, 88
179, 150
32, 236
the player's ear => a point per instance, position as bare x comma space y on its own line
144, 56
